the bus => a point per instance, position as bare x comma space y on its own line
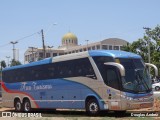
93, 80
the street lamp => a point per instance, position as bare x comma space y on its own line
13, 43
50, 46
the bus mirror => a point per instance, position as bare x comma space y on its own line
155, 68
119, 66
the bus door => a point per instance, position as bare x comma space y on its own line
114, 71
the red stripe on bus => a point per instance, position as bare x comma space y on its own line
15, 91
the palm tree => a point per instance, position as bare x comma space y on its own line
3, 64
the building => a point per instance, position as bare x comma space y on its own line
70, 45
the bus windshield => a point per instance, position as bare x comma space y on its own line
137, 77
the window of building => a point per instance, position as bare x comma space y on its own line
98, 47
61, 54
54, 54
105, 47
84, 49
80, 50
48, 55
93, 47
110, 47
40, 55
25, 58
116, 47
89, 48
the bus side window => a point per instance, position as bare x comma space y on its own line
112, 78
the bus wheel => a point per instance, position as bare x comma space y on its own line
26, 106
18, 105
92, 107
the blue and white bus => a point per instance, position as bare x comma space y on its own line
91, 80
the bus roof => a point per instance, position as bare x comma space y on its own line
111, 53
114, 53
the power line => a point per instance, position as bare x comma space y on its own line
4, 45
27, 36
20, 39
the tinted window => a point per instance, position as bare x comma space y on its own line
70, 68
109, 74
100, 60
112, 78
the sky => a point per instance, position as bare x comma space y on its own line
92, 20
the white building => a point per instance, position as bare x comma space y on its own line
70, 45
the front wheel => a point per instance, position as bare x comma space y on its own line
92, 107
26, 106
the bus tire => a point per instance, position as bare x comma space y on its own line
17, 105
26, 105
92, 107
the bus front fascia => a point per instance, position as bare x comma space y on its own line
119, 66
155, 68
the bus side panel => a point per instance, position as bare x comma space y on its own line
91, 87
55, 93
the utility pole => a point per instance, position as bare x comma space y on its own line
14, 42
8, 59
44, 51
149, 58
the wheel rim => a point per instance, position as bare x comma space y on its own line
93, 107
18, 106
27, 106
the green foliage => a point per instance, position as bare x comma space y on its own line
3, 64
140, 46
14, 62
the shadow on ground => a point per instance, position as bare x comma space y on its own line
74, 113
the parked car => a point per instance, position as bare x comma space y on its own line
156, 86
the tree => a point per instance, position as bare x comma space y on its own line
154, 35
14, 62
140, 46
3, 64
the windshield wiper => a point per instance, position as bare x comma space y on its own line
139, 79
